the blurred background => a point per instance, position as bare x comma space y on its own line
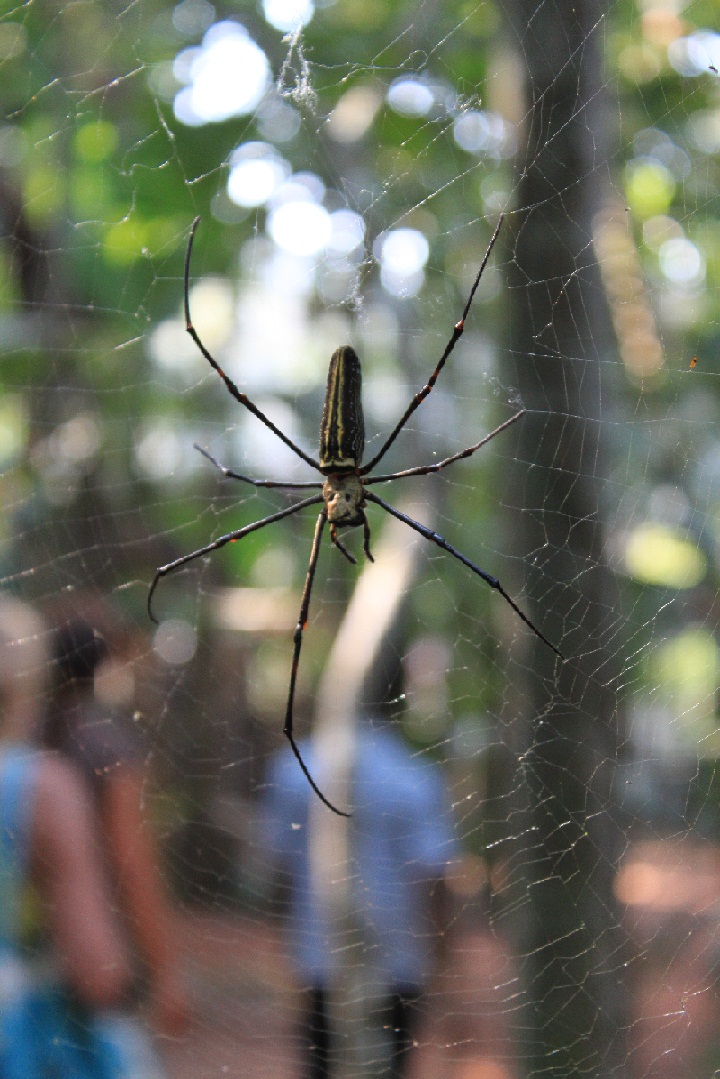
350, 162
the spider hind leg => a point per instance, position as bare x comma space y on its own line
230, 537
488, 578
366, 539
297, 646
343, 549
341, 546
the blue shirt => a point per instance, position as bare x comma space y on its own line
401, 837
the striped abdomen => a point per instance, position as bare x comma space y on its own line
342, 431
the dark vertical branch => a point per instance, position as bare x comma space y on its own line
570, 940
28, 263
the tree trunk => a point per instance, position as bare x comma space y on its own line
571, 944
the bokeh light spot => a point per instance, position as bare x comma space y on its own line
256, 172
288, 15
175, 641
227, 76
657, 555
650, 188
681, 261
410, 97
300, 227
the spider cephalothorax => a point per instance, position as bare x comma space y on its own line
343, 493
344, 497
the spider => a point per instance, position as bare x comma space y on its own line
343, 492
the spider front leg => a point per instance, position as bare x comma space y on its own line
457, 333
297, 641
239, 396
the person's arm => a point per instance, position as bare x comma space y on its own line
151, 920
65, 864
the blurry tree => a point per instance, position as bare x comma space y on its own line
571, 938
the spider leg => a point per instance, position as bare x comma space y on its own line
366, 539
455, 337
297, 640
492, 581
230, 537
425, 470
236, 393
341, 546
231, 474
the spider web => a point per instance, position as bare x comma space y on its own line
350, 163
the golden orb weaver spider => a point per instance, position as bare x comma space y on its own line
343, 492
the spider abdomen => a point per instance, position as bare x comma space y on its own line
342, 430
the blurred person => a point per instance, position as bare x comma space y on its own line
109, 755
47, 844
401, 841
